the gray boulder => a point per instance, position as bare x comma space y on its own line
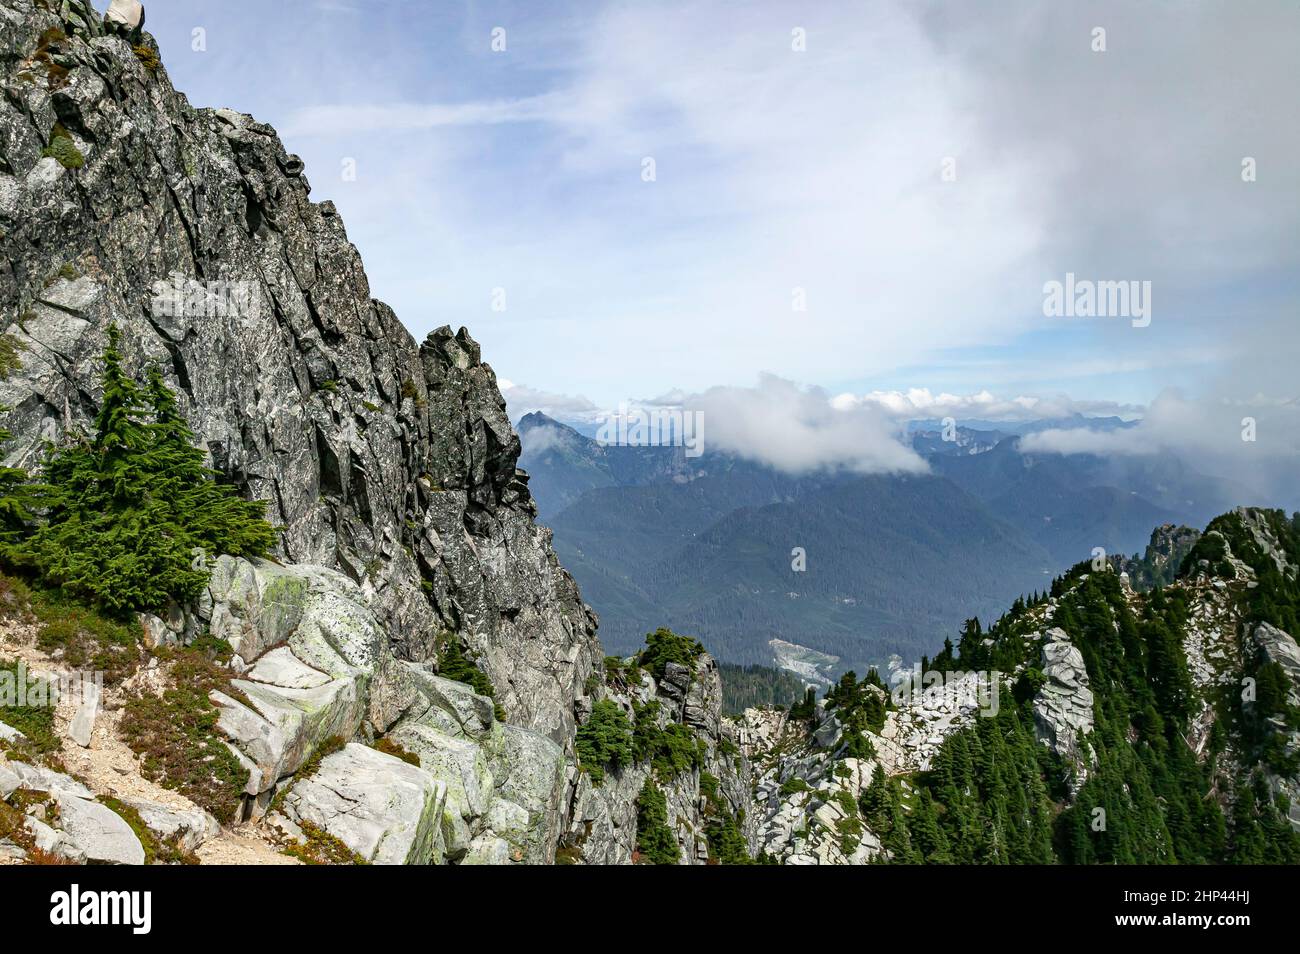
125, 14
188, 829
98, 832
383, 809
82, 726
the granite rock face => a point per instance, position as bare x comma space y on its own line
381, 808
193, 231
1063, 706
1276, 646
315, 667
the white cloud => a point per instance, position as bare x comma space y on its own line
917, 403
1209, 435
817, 170
521, 400
326, 120
797, 430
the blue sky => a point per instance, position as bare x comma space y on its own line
778, 170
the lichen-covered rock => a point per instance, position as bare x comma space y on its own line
1278, 647
503, 782
310, 646
98, 832
384, 810
806, 794
38, 778
188, 829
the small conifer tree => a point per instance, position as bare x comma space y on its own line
133, 514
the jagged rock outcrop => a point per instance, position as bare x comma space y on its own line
1162, 559
314, 666
603, 820
805, 793
192, 230
1063, 706
1276, 646
388, 461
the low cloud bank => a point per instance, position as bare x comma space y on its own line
1255, 442
916, 403
797, 430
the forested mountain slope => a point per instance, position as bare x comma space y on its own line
1133, 727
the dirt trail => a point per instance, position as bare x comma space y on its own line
109, 767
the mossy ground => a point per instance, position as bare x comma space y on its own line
322, 848
79, 637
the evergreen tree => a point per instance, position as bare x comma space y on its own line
654, 839
132, 515
18, 500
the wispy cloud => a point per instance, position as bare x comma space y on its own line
1255, 441
798, 220
917, 403
343, 119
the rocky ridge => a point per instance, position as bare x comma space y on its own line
388, 465
388, 460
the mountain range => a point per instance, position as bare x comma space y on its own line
405, 673
892, 563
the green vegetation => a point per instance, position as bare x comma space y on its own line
64, 149
454, 663
723, 828
745, 687
176, 735
793, 785
619, 675
389, 747
1276, 598
604, 741
80, 636
655, 842
132, 514
861, 707
322, 848
663, 646
671, 749
35, 722
10, 361
993, 795
804, 709
148, 57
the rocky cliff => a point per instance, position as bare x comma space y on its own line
193, 230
